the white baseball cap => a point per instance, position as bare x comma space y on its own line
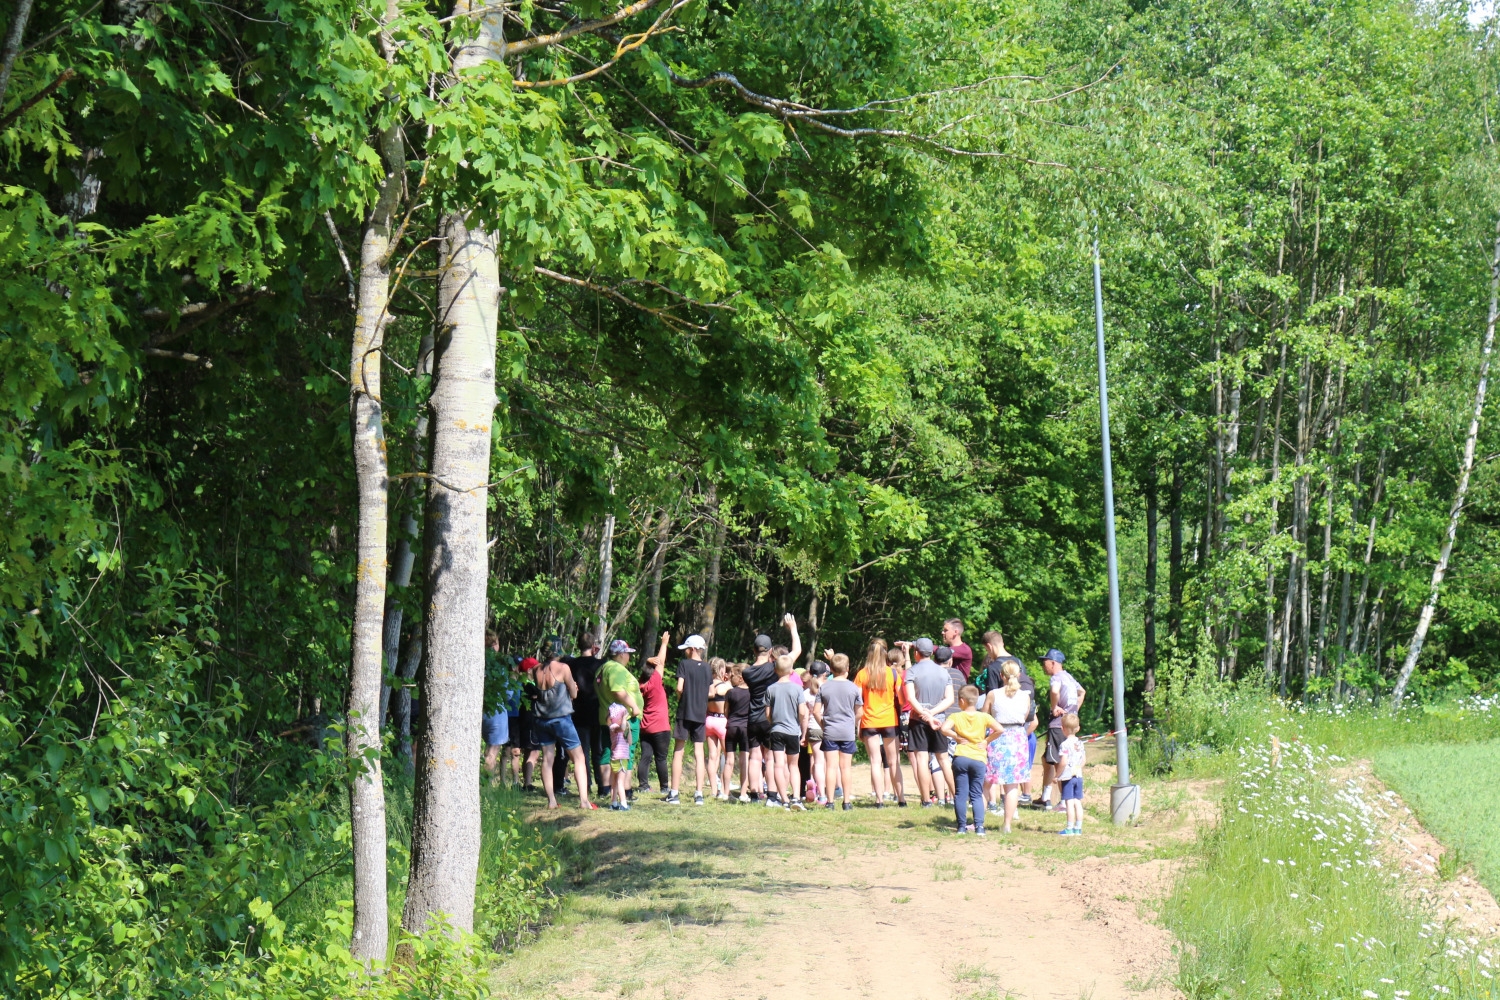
694, 642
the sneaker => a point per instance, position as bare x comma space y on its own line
1059, 808
666, 795
979, 832
928, 804
960, 832
1024, 800
625, 807
797, 805
847, 806
829, 805
672, 799
770, 802
615, 807
744, 797
697, 798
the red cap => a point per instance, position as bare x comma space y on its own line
530, 663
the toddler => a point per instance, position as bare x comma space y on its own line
619, 756
1070, 776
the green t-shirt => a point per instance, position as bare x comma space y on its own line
615, 676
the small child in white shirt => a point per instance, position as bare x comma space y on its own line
1070, 778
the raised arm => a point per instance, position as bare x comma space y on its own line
660, 659
791, 624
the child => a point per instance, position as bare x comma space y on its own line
972, 731
788, 717
1070, 778
619, 756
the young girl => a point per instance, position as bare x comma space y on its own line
619, 756
737, 732
877, 682
973, 730
1009, 762
810, 759
716, 726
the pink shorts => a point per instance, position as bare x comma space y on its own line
716, 725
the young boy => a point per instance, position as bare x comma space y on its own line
972, 731
788, 718
1070, 776
619, 756
838, 708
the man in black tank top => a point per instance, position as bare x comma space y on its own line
585, 667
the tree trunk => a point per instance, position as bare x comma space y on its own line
13, 38
653, 593
405, 555
606, 572
371, 931
1149, 613
1275, 525
445, 821
812, 629
1174, 552
1424, 620
401, 708
715, 556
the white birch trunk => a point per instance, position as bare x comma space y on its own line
1424, 621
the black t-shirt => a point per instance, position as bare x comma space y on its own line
759, 677
586, 676
696, 677
996, 679
739, 707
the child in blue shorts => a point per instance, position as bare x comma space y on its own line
1070, 778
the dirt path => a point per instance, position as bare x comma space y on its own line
746, 903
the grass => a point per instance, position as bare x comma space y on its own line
1454, 793
1292, 898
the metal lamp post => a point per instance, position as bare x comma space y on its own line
1124, 798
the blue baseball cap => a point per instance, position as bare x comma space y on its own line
1056, 655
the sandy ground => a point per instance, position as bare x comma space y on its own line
902, 908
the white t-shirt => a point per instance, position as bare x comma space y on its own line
1071, 758
1068, 696
1010, 710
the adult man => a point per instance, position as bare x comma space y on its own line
759, 676
963, 656
693, 680
994, 679
1066, 697
585, 667
617, 684
929, 692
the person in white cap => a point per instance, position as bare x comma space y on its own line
694, 677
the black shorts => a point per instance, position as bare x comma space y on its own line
736, 739
785, 742
684, 731
925, 739
760, 734
884, 732
1055, 739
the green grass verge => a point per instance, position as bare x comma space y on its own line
1293, 899
1455, 793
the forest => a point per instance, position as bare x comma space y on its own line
335, 336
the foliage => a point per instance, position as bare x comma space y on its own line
1434, 780
1293, 897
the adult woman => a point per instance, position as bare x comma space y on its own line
878, 682
617, 685
656, 723
1007, 762
716, 726
553, 709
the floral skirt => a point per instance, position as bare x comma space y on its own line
1008, 762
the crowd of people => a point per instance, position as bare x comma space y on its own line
770, 731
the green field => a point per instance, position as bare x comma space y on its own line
1454, 791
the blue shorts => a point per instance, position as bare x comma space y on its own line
839, 746
496, 729
1072, 788
559, 730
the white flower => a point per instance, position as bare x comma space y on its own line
1371, 994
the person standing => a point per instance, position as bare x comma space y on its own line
716, 727
994, 678
929, 692
656, 724
963, 656
694, 676
877, 682
1066, 697
810, 755
524, 732
943, 656
788, 718
759, 676
838, 707
1008, 762
971, 731
554, 724
618, 686
594, 734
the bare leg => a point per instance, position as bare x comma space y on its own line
698, 767
924, 778
946, 763
893, 754
547, 754
715, 753
820, 775
677, 751
1012, 793
877, 769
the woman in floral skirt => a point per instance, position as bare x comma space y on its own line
1008, 762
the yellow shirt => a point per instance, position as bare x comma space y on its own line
970, 729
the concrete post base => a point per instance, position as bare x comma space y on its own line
1124, 804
